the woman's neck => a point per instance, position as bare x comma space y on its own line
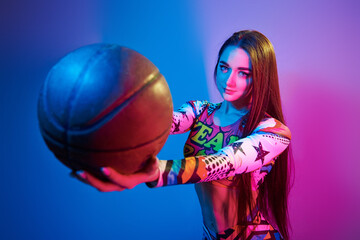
228, 113
228, 109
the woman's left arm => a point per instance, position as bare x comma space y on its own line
248, 154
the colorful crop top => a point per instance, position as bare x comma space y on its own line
213, 152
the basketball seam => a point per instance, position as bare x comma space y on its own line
113, 112
99, 123
48, 137
153, 77
79, 82
44, 92
74, 91
105, 119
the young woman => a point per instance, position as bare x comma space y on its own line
236, 152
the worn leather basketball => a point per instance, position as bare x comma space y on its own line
105, 105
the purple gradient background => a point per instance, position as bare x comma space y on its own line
317, 46
316, 43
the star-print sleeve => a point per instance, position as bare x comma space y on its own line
186, 115
248, 154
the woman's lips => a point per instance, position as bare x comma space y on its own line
229, 91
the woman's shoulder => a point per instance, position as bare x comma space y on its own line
200, 106
202, 103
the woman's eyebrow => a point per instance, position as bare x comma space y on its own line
239, 68
243, 68
225, 63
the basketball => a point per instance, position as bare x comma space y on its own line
105, 105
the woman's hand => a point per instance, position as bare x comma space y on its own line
117, 181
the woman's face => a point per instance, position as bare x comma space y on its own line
233, 76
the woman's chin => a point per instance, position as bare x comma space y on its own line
231, 98
239, 102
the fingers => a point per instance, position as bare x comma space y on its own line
148, 174
125, 181
102, 186
130, 181
118, 181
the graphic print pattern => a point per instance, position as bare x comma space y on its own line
214, 153
217, 153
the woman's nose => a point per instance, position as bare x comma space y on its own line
231, 80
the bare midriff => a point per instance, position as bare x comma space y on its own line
219, 204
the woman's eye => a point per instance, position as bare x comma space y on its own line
244, 74
223, 68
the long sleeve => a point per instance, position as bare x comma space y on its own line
184, 118
248, 154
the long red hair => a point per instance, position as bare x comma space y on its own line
274, 191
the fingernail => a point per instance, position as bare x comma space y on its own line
105, 171
81, 174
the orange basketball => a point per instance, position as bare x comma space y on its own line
105, 105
